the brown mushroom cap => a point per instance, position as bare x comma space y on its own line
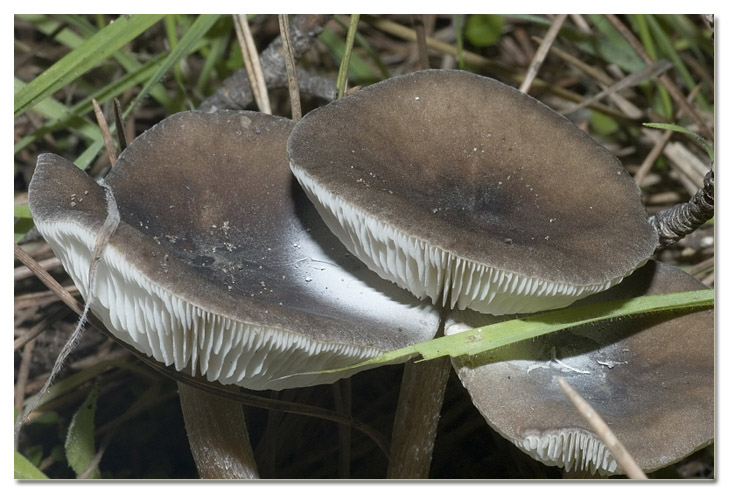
447, 182
651, 378
220, 263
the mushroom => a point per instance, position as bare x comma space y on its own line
466, 191
473, 195
651, 378
220, 265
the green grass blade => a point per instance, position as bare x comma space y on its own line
647, 41
667, 48
497, 335
93, 51
483, 339
359, 71
23, 469
345, 64
676, 128
611, 46
196, 32
57, 112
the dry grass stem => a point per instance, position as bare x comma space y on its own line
629, 81
542, 52
291, 69
599, 426
420, 28
701, 266
111, 150
252, 62
48, 280
23, 272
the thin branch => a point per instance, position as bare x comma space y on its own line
48, 280
542, 52
104, 127
252, 62
291, 71
680, 220
604, 433
421, 41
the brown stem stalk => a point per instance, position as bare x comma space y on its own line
217, 433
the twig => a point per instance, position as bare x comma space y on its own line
421, 41
23, 272
680, 220
646, 72
48, 280
604, 433
252, 62
542, 52
104, 127
701, 266
291, 71
601, 77
649, 160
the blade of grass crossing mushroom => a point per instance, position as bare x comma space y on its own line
490, 337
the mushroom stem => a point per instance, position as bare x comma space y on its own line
217, 434
417, 417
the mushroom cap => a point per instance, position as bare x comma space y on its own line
467, 191
220, 265
651, 378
